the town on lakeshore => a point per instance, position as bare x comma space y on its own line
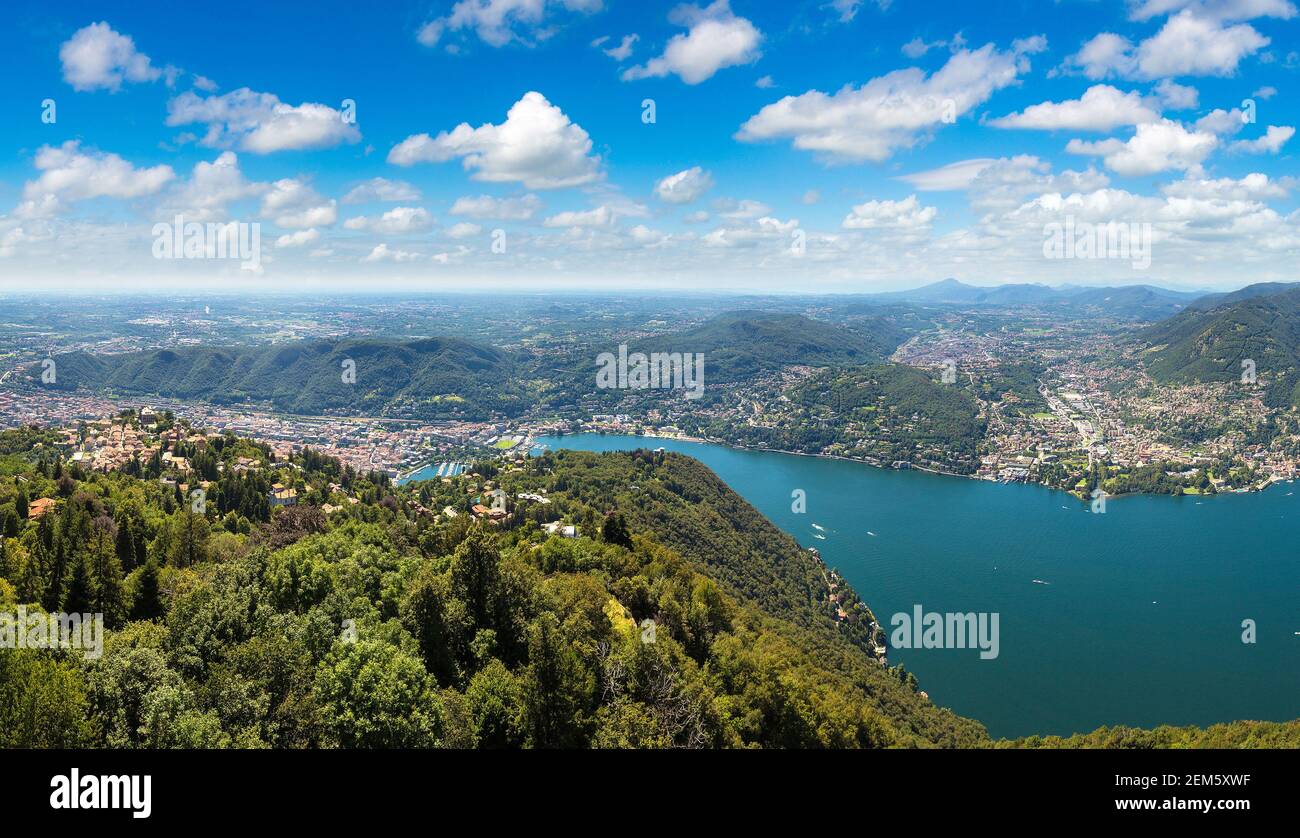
1011, 393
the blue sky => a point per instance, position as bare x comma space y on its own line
796, 146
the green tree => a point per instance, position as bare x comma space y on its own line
30, 579
439, 622
43, 702
147, 602
110, 595
374, 695
496, 705
558, 689
476, 575
82, 591
614, 530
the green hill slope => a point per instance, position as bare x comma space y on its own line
677, 617
436, 377
880, 412
742, 344
1210, 345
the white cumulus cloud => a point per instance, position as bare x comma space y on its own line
685, 186
601, 216
381, 190
70, 174
97, 57
892, 112
260, 122
500, 22
715, 38
395, 221
211, 187
537, 146
298, 239
1187, 45
1274, 138
293, 204
507, 209
383, 253
953, 176
907, 214
1101, 108
1155, 147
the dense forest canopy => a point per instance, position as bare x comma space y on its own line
672, 614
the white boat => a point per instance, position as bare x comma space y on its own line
819, 527
1041, 582
822, 537
870, 533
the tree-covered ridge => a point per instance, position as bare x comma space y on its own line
1210, 345
1241, 734
382, 623
883, 413
740, 345
370, 615
429, 378
452, 378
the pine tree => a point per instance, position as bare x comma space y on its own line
110, 598
31, 575
148, 602
615, 531
124, 543
82, 593
53, 569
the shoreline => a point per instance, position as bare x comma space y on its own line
1272, 480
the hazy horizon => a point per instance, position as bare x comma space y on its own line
528, 289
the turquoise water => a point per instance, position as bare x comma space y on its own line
434, 471
1140, 622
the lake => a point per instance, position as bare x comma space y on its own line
1140, 621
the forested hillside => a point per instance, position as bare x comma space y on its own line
1210, 345
742, 344
431, 378
883, 413
383, 624
368, 615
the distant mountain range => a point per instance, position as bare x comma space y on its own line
1260, 323
1205, 339
431, 378
1145, 302
442, 378
742, 344
1259, 289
